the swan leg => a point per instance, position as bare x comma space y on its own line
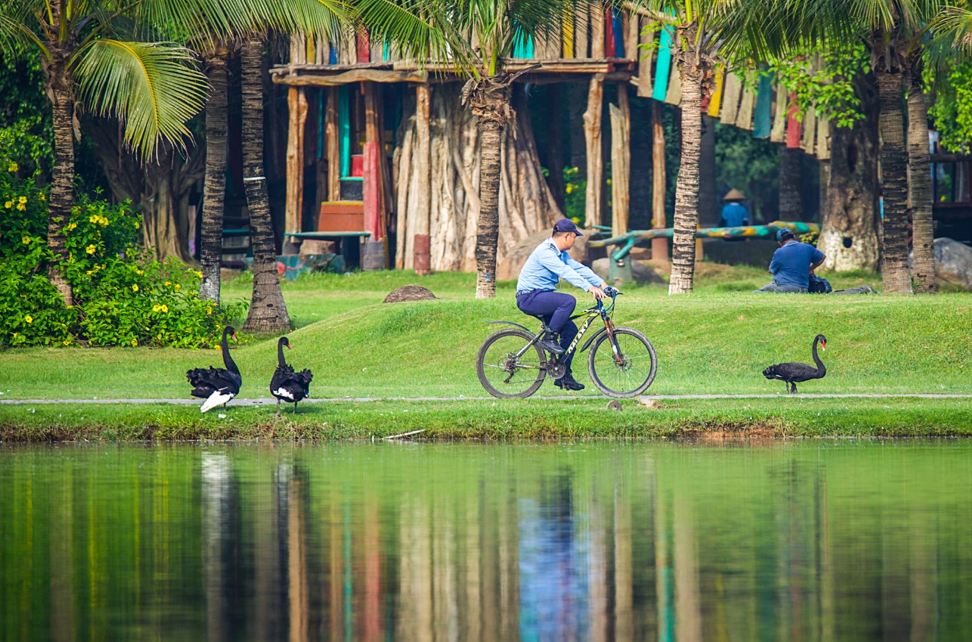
295, 407
794, 388
278, 407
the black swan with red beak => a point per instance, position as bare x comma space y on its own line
217, 385
794, 373
288, 385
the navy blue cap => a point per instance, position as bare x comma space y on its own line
566, 225
784, 234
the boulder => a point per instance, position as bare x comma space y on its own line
510, 268
643, 275
409, 293
953, 262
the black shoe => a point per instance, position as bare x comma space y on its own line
551, 343
567, 382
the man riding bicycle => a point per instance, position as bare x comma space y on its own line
535, 293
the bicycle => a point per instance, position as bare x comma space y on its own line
511, 362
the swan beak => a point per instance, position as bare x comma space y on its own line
234, 338
824, 345
289, 347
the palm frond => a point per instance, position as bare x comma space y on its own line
14, 33
421, 28
154, 89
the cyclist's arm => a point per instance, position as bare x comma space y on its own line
586, 273
551, 260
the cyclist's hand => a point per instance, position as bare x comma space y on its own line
611, 291
598, 294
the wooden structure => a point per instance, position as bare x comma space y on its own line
418, 148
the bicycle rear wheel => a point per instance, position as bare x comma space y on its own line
505, 375
637, 367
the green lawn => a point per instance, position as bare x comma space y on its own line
715, 341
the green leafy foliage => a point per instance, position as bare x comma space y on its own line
952, 108
122, 296
825, 82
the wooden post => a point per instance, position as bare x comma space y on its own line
592, 136
620, 161
581, 27
597, 31
297, 106
420, 226
659, 246
645, 54
373, 183
332, 140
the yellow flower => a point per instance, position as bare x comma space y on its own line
199, 274
70, 227
22, 199
26, 240
12, 167
91, 249
137, 225
134, 343
135, 288
29, 319
41, 196
93, 218
209, 310
22, 207
90, 272
156, 307
168, 283
139, 272
67, 342
177, 286
165, 308
8, 204
570, 188
576, 220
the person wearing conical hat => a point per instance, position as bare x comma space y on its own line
734, 213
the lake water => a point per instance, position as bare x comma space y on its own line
815, 540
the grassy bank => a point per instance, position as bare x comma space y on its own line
715, 341
488, 420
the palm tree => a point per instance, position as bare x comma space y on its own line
474, 37
90, 58
700, 28
893, 31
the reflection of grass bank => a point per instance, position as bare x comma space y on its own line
707, 420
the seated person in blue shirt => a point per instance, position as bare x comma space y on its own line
734, 213
792, 264
535, 291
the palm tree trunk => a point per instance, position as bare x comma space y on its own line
268, 312
894, 168
687, 185
487, 234
214, 188
61, 93
791, 184
923, 272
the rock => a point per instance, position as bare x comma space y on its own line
953, 262
409, 293
510, 268
643, 275
650, 403
318, 247
863, 289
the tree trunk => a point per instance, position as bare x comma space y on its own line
894, 179
923, 272
849, 219
268, 312
708, 198
791, 184
214, 187
687, 185
595, 153
659, 246
61, 92
487, 233
555, 148
526, 203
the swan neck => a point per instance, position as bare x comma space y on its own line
280, 355
816, 357
227, 358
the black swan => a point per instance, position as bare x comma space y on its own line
286, 384
793, 373
216, 385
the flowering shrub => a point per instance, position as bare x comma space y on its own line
122, 297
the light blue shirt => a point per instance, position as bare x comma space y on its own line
547, 265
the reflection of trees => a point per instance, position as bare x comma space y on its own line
634, 542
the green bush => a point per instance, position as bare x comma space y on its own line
122, 296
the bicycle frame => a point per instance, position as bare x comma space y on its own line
592, 313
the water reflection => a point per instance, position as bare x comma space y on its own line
591, 542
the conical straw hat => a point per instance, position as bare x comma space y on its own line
734, 195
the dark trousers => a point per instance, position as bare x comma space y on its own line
555, 309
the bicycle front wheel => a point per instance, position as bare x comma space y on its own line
631, 372
502, 372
